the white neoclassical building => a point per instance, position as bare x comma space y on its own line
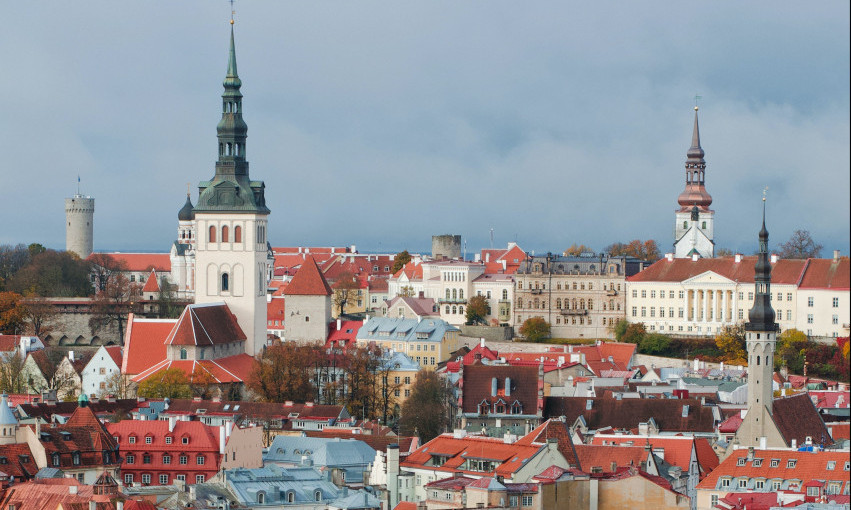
698, 296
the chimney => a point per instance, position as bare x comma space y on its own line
393, 474
228, 428
694, 257
422, 294
487, 257
339, 324
722, 366
482, 341
71, 356
794, 444
670, 257
507, 386
750, 453
93, 505
774, 258
172, 421
72, 489
738, 258
222, 440
835, 256
763, 442
504, 264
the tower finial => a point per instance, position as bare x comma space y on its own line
232, 12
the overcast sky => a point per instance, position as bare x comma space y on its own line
382, 123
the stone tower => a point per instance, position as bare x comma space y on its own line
694, 223
446, 246
761, 338
230, 224
79, 224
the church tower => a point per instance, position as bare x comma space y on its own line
694, 227
758, 427
761, 331
230, 224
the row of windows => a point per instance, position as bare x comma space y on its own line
454, 276
567, 286
166, 459
237, 234
163, 478
149, 439
488, 294
455, 294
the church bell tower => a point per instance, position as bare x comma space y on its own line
694, 224
230, 223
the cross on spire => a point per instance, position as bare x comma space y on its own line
232, 12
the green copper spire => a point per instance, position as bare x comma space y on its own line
231, 189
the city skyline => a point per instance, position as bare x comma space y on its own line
525, 120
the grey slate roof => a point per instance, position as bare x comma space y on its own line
405, 330
351, 455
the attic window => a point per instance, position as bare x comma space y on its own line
757, 462
774, 463
791, 463
236, 407
227, 406
184, 440
831, 465
4, 460
741, 461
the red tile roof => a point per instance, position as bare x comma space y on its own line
231, 369
840, 430
626, 414
143, 261
144, 343
477, 387
830, 399
9, 343
784, 271
554, 429
826, 274
82, 433
508, 457
413, 270
748, 501
676, 450
205, 324
152, 285
604, 457
808, 466
17, 460
49, 493
275, 309
308, 281
114, 352
345, 336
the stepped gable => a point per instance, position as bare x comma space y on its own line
626, 414
478, 386
206, 324
796, 418
308, 281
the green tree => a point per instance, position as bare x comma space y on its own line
634, 333
12, 259
169, 383
284, 372
731, 341
399, 261
426, 411
53, 273
535, 328
654, 344
36, 249
619, 329
800, 246
792, 346
477, 310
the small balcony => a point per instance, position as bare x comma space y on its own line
611, 292
564, 311
537, 291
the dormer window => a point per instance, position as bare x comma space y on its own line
184, 440
149, 439
168, 439
75, 458
55, 457
131, 439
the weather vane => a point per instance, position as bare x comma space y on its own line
696, 99
188, 188
764, 192
232, 12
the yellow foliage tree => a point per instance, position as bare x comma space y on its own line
731, 341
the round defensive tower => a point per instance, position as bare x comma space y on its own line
79, 224
446, 246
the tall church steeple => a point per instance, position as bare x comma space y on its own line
694, 235
230, 223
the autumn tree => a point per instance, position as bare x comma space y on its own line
52, 273
50, 362
644, 250
41, 316
426, 412
731, 341
13, 314
202, 383
284, 372
791, 347
724, 252
575, 251
169, 383
800, 246
634, 333
362, 382
345, 290
167, 305
12, 259
535, 328
477, 310
386, 400
399, 261
406, 291
12, 378
113, 303
118, 385
104, 267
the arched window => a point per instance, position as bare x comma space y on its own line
454, 293
447, 309
237, 234
703, 226
504, 293
183, 354
317, 495
225, 282
581, 303
460, 293
212, 236
461, 310
519, 303
221, 149
685, 224
454, 310
261, 498
448, 294
225, 234
290, 497
758, 360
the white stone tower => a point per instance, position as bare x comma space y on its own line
694, 224
79, 224
230, 224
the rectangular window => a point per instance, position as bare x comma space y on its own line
635, 311
835, 319
671, 294
714, 500
682, 294
527, 500
791, 463
634, 293
130, 459
163, 479
836, 302
810, 301
166, 459
725, 483
182, 478
644, 311
741, 314
149, 440
809, 318
750, 296
741, 295
775, 485
146, 479
184, 459
131, 440
653, 311
740, 461
743, 483
779, 296
199, 478
199, 460
680, 313
774, 463
812, 491
652, 294
128, 479
644, 293
788, 296
168, 440
759, 485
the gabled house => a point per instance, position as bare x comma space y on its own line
501, 397
103, 365
348, 459
308, 304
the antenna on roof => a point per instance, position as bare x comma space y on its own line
491, 238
